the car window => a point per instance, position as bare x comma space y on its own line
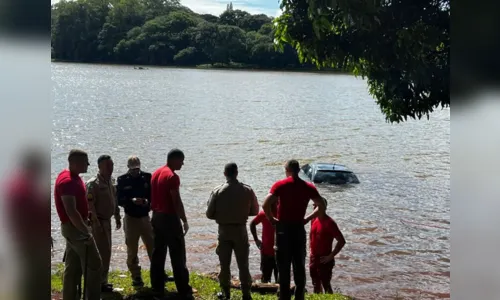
307, 170
334, 177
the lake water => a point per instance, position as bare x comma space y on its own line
396, 222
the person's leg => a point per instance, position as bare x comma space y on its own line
266, 266
241, 251
102, 236
159, 254
299, 262
224, 251
131, 228
315, 275
177, 247
326, 272
76, 251
275, 268
284, 258
147, 236
72, 274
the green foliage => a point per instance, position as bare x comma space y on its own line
401, 47
206, 287
163, 32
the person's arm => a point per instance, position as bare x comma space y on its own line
211, 213
117, 207
148, 190
320, 205
340, 244
69, 202
337, 234
92, 199
254, 205
253, 230
268, 203
176, 199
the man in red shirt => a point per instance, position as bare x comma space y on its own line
292, 195
73, 211
26, 199
321, 259
266, 246
168, 212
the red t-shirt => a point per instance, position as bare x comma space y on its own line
25, 200
323, 231
267, 233
163, 181
70, 185
294, 196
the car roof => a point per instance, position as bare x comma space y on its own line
330, 167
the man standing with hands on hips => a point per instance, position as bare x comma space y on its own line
292, 195
169, 232
134, 194
101, 194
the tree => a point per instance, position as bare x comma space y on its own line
401, 47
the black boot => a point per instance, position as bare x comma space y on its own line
225, 294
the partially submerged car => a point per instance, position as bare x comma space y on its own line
329, 173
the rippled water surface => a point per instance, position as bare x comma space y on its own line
396, 221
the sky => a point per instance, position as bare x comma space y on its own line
216, 7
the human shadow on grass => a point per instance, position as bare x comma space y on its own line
140, 294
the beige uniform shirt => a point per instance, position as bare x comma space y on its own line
232, 203
102, 195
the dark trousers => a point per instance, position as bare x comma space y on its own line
268, 266
321, 274
291, 250
169, 235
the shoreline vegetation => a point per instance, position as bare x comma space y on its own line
206, 288
217, 66
164, 33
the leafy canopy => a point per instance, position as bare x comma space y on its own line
401, 47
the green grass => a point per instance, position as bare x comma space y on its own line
206, 287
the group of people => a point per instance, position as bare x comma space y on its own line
86, 209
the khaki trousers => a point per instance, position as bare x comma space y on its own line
74, 265
103, 241
134, 229
234, 237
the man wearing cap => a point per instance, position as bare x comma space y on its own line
230, 204
73, 211
101, 195
134, 194
292, 195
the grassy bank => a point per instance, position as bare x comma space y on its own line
206, 288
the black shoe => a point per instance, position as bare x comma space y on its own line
106, 288
224, 295
137, 282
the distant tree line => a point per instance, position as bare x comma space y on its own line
163, 32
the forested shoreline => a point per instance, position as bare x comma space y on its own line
166, 33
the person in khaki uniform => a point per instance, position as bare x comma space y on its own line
101, 194
230, 205
134, 195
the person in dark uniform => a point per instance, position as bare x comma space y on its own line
134, 194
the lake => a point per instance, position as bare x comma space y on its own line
396, 222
